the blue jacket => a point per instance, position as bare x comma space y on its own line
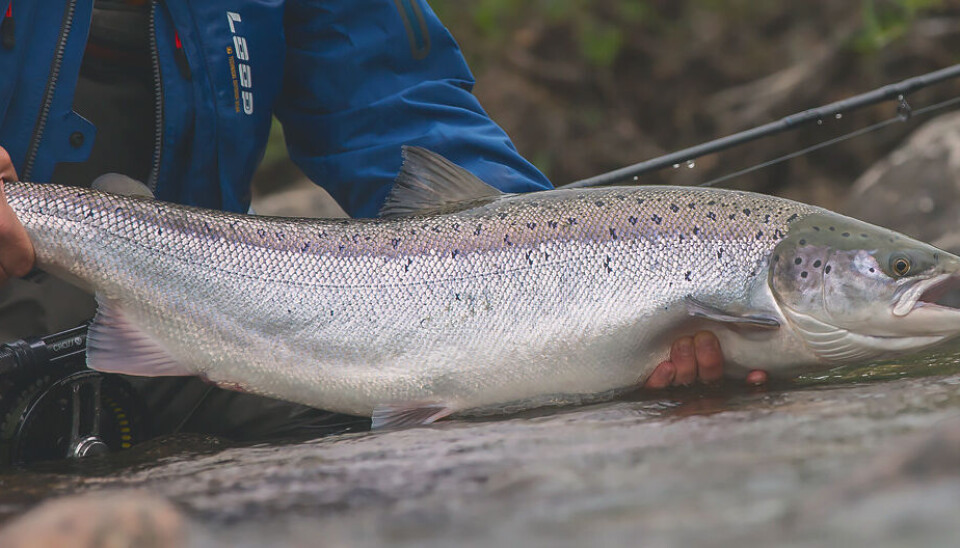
351, 81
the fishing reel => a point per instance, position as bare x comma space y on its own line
52, 407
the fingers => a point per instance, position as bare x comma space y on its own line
757, 377
662, 376
692, 359
16, 251
7, 171
683, 357
709, 357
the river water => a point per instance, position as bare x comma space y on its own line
865, 456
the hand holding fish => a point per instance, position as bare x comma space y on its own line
16, 251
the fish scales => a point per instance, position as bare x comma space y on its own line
554, 294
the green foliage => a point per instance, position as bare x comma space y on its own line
597, 27
887, 20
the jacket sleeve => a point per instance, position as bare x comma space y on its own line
363, 78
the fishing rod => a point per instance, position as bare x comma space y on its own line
898, 92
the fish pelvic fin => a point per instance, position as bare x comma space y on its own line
700, 309
429, 183
407, 416
115, 345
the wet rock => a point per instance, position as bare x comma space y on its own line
916, 189
116, 520
713, 468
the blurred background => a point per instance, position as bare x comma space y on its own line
587, 86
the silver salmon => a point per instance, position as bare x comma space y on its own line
465, 299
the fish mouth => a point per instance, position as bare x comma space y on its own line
938, 294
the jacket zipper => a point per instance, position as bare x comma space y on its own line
47, 101
158, 100
6, 28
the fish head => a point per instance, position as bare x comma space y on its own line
855, 291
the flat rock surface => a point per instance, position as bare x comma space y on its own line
857, 463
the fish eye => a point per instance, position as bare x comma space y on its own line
900, 265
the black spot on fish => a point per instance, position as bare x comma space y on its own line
872, 270
606, 263
613, 233
413, 232
341, 247
306, 246
456, 296
454, 253
681, 237
159, 231
692, 205
435, 228
817, 263
826, 270
279, 235
455, 227
118, 210
696, 229
863, 235
572, 220
712, 202
766, 218
832, 229
531, 226
478, 230
261, 232
406, 267
720, 253
502, 216
633, 220
817, 228
530, 257
803, 274
640, 201
553, 224
803, 242
798, 260
732, 216
674, 208
711, 215
395, 242
846, 234
746, 211
598, 203
656, 218
792, 217
759, 234
506, 240
687, 275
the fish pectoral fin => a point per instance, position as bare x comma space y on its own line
429, 183
115, 345
700, 309
409, 415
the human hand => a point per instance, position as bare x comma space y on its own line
16, 251
692, 359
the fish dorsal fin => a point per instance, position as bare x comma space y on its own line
115, 345
429, 183
701, 309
